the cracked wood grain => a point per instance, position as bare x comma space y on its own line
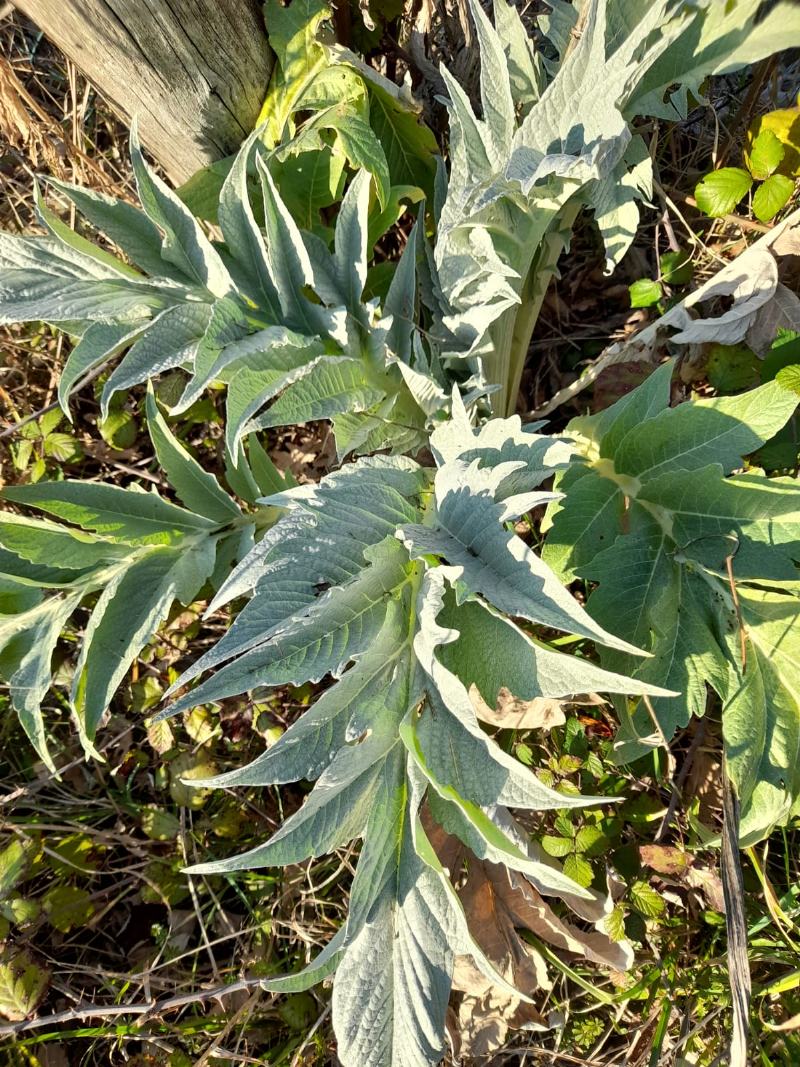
194, 71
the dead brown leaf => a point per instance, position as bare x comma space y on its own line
709, 883
513, 713
486, 1012
25, 126
498, 903
666, 859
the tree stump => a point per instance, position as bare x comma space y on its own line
194, 72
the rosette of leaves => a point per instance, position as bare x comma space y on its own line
274, 310
694, 557
401, 583
271, 312
555, 136
118, 557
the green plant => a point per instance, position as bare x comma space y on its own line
696, 564
675, 270
127, 555
402, 581
770, 159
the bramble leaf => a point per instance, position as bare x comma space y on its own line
772, 195
720, 191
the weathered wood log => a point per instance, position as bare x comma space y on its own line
194, 72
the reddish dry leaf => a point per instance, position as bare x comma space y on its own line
498, 903
666, 859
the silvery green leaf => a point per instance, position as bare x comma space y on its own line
396, 424
41, 541
50, 255
470, 149
127, 226
289, 264
558, 25
335, 812
327, 283
401, 299
241, 232
127, 614
334, 593
501, 441
44, 279
100, 343
447, 739
228, 339
309, 551
71, 239
30, 681
118, 514
350, 243
614, 199
340, 625
492, 652
337, 384
198, 489
493, 562
269, 477
170, 340
721, 38
524, 65
496, 102
426, 391
34, 576
393, 982
254, 380
488, 841
321, 967
239, 477
184, 243
310, 743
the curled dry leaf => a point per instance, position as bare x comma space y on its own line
498, 903
709, 884
680, 867
760, 304
513, 713
486, 1012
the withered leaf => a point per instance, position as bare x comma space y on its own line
512, 713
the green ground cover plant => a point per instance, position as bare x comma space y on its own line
408, 584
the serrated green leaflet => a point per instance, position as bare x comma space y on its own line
654, 515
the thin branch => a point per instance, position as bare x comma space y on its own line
147, 1010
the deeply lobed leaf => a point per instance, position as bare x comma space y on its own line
697, 564
354, 582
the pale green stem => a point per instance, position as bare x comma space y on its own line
512, 333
